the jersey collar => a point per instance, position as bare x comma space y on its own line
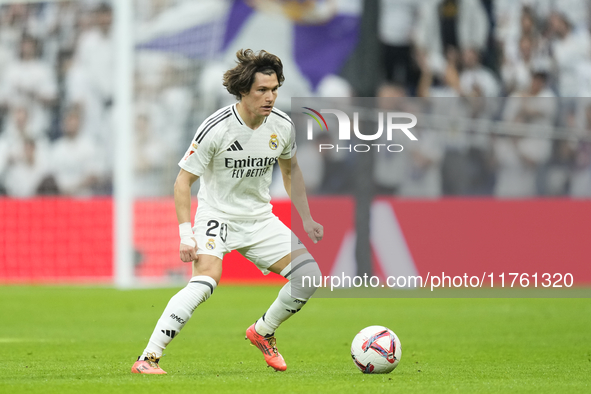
241, 121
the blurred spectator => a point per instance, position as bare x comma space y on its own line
389, 167
538, 105
25, 175
74, 162
576, 11
517, 165
16, 131
519, 158
32, 81
543, 8
395, 31
175, 101
464, 76
7, 54
464, 136
449, 118
56, 23
516, 74
529, 25
556, 175
580, 185
570, 49
535, 105
524, 22
438, 85
75, 90
445, 24
475, 79
13, 24
18, 128
162, 93
94, 57
150, 72
479, 172
151, 154
506, 15
423, 174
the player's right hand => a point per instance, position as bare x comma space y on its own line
187, 252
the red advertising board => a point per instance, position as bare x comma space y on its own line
49, 240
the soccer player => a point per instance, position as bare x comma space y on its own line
233, 154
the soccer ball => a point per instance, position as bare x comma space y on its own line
376, 349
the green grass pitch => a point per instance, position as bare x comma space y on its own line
84, 340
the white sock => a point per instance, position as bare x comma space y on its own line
285, 306
178, 311
281, 309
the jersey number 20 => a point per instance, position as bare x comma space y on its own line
213, 225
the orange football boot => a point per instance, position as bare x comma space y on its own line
149, 365
268, 346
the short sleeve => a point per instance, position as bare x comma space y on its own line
198, 155
290, 147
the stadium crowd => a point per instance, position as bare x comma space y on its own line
497, 64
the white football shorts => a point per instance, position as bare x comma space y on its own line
263, 241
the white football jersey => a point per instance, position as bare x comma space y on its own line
235, 163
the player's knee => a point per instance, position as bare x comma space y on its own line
207, 265
304, 276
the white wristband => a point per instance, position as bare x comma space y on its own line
186, 233
185, 230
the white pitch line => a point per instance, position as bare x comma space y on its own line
21, 340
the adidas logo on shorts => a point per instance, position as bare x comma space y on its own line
235, 146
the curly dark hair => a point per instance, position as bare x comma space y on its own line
239, 80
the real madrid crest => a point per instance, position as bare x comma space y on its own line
195, 145
273, 142
210, 244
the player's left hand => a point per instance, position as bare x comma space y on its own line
314, 230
